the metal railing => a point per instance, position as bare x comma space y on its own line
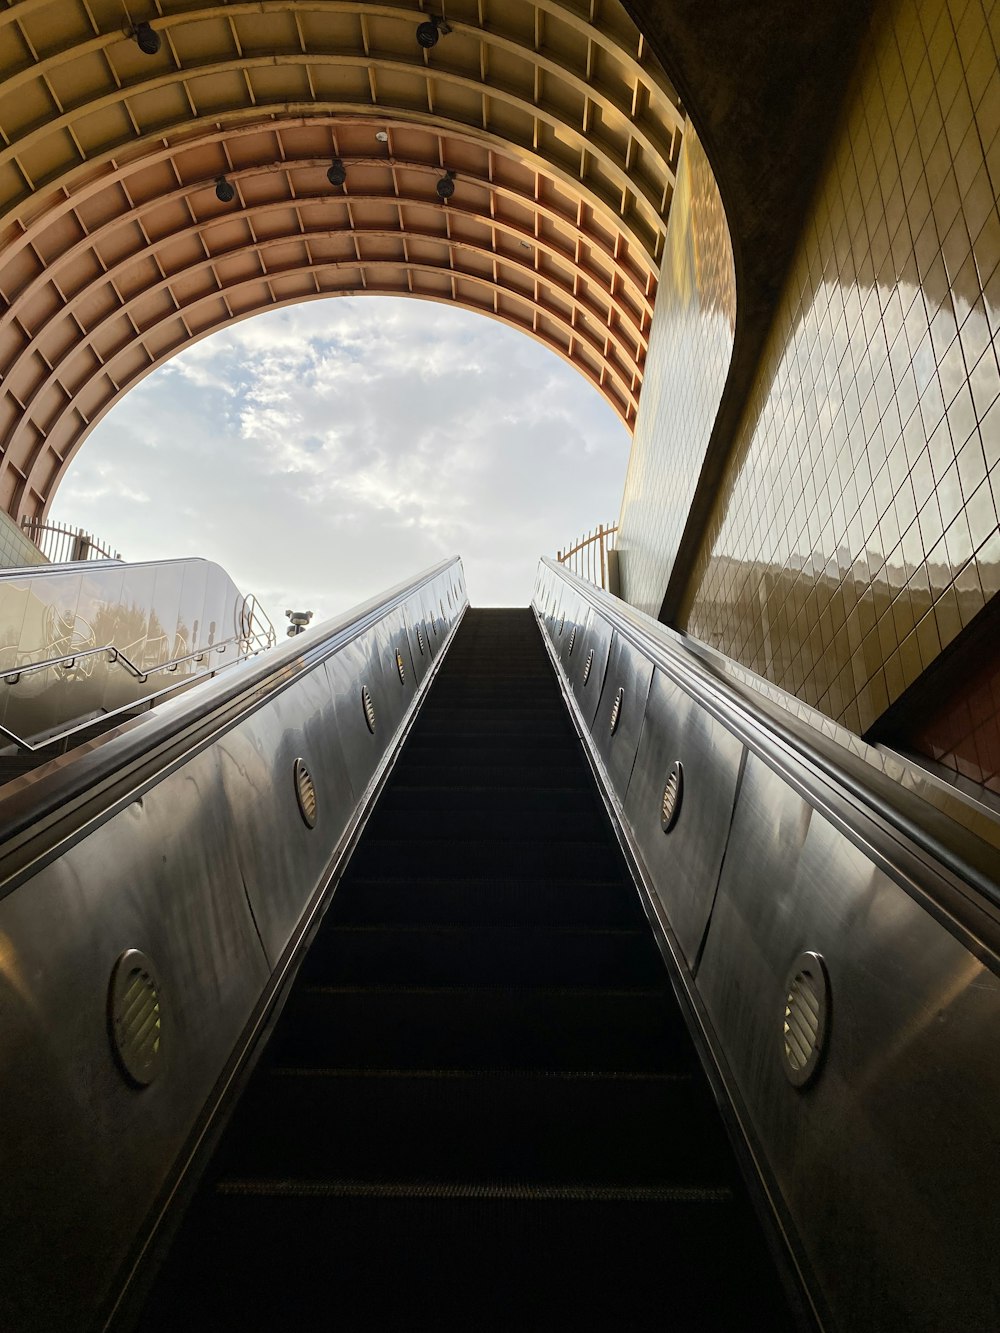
62, 545
591, 557
256, 634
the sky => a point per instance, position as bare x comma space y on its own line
325, 452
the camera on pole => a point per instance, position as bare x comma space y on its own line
299, 619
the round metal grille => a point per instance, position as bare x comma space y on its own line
305, 792
420, 640
805, 1018
587, 665
369, 707
135, 1021
673, 792
572, 641
616, 709
400, 667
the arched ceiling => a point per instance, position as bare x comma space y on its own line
115, 252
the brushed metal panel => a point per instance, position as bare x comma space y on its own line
683, 864
575, 611
888, 1162
353, 666
595, 636
629, 671
82, 1152
390, 637
282, 860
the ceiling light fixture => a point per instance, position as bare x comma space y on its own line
225, 191
445, 186
145, 36
336, 172
429, 32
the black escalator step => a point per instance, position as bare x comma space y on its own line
501, 857
482, 821
488, 902
484, 1028
476, 723
509, 802
526, 1128
539, 1265
467, 956
427, 771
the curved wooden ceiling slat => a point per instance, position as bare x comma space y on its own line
562, 131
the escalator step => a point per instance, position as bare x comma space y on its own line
579, 1130
484, 1028
484, 956
495, 857
545, 1265
521, 901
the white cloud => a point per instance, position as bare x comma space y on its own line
326, 451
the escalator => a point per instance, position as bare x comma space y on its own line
480, 1107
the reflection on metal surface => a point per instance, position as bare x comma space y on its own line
369, 707
86, 641
884, 1176
806, 1018
673, 794
305, 791
135, 1018
207, 860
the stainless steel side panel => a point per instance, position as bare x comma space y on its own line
283, 860
683, 864
356, 666
890, 1162
82, 1154
631, 673
390, 637
596, 637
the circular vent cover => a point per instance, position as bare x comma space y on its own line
673, 792
400, 667
805, 1019
369, 707
572, 641
305, 792
616, 709
587, 665
135, 1018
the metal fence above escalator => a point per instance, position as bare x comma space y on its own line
62, 545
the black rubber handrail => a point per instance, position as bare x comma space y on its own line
75, 789
957, 851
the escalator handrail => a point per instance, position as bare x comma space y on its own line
49, 810
959, 853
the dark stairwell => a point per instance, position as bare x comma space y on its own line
480, 1108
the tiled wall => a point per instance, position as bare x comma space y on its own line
16, 550
858, 531
690, 346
